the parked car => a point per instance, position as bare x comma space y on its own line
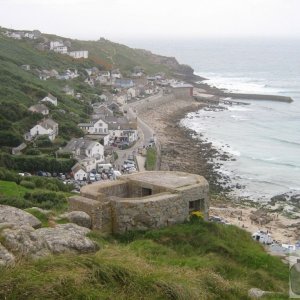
92, 177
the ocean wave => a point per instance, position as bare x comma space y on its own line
238, 108
234, 82
285, 141
273, 161
238, 118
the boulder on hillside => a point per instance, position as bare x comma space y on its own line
6, 258
16, 216
65, 238
80, 218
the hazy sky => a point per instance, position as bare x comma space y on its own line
128, 19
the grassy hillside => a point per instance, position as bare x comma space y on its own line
190, 261
20, 89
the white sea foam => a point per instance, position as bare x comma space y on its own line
239, 84
238, 108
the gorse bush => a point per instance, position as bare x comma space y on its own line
7, 175
27, 184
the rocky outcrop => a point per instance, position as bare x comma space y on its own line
78, 217
24, 241
255, 293
6, 258
15, 216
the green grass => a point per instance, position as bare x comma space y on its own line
196, 260
11, 189
151, 157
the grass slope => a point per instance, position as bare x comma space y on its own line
197, 260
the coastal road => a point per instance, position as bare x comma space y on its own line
146, 133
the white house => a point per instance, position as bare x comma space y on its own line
97, 127
121, 129
79, 172
39, 108
50, 98
46, 127
54, 44
116, 73
68, 90
29, 35
82, 148
133, 92
61, 49
79, 54
121, 98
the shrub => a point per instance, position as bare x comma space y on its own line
52, 187
27, 184
7, 175
33, 152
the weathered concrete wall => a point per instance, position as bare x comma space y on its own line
152, 212
197, 192
123, 205
92, 207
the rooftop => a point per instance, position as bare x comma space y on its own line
167, 179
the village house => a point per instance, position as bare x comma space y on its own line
46, 127
89, 81
114, 106
82, 148
95, 127
51, 99
58, 47
79, 172
39, 108
79, 54
133, 92
116, 74
102, 109
29, 35
123, 83
106, 96
149, 89
121, 129
68, 90
17, 35
68, 74
25, 67
121, 98
137, 72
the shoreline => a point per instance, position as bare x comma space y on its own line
181, 151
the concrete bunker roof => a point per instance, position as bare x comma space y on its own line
171, 180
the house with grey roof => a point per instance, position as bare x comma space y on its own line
82, 148
121, 129
45, 127
51, 99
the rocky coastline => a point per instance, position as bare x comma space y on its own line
183, 149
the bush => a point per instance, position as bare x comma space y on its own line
16, 202
47, 200
33, 152
52, 187
7, 175
43, 141
27, 184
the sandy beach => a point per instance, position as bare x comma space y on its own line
180, 151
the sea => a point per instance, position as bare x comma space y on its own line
263, 137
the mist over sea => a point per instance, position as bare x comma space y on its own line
264, 137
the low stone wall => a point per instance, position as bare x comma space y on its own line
152, 212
